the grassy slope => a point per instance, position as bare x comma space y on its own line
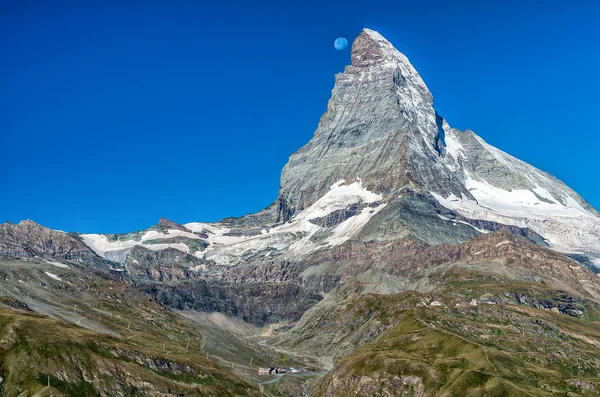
81, 362
147, 353
492, 350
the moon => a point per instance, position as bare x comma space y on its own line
340, 43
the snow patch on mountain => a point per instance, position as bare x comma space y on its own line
100, 244
454, 147
217, 234
155, 235
57, 264
54, 276
351, 226
567, 227
295, 236
339, 197
521, 202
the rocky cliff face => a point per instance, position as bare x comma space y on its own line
29, 239
380, 125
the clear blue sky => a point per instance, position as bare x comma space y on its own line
113, 116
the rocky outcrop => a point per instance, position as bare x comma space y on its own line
336, 217
169, 264
29, 239
258, 303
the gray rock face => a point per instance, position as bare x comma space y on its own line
29, 239
380, 125
258, 303
169, 264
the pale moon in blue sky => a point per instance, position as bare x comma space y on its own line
340, 43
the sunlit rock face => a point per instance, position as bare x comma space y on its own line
379, 120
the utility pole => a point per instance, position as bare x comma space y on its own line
251, 358
163, 347
188, 343
48, 380
75, 309
128, 324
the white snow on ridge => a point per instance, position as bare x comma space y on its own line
100, 244
521, 202
294, 236
540, 191
568, 228
339, 197
209, 228
157, 247
453, 145
154, 235
54, 276
352, 225
216, 233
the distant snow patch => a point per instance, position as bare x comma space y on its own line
155, 235
352, 225
453, 146
476, 228
521, 202
216, 233
294, 236
57, 264
339, 197
100, 244
54, 276
566, 227
540, 191
454, 221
